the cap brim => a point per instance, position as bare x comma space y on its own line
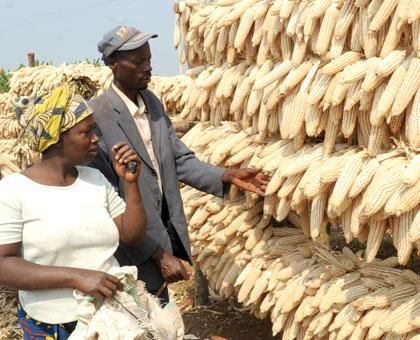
137, 41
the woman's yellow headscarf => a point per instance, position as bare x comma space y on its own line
49, 115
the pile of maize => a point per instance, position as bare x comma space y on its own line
343, 69
29, 80
324, 97
306, 290
368, 197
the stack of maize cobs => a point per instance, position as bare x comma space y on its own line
7, 166
324, 96
14, 155
29, 80
346, 69
307, 291
170, 90
367, 197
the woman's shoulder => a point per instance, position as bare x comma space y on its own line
91, 175
88, 172
94, 179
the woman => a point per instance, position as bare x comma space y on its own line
61, 222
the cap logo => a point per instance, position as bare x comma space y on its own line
123, 33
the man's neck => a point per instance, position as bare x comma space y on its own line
131, 94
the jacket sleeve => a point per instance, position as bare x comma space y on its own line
103, 162
192, 171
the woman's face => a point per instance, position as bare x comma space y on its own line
80, 143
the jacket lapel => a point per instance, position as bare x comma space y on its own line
128, 126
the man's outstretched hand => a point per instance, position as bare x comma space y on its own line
247, 179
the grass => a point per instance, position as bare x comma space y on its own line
4, 81
97, 62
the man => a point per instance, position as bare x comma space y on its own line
128, 112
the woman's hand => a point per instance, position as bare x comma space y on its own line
132, 224
98, 284
122, 153
24, 275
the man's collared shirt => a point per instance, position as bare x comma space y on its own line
142, 123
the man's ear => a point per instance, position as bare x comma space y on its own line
111, 63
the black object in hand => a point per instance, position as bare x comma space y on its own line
132, 166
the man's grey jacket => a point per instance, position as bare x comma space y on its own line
177, 163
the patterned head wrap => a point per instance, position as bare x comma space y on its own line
46, 116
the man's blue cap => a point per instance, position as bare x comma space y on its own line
122, 38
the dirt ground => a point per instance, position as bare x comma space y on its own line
9, 328
226, 320
221, 319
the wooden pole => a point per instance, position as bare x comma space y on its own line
201, 288
325, 235
31, 59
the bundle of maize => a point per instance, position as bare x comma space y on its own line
343, 68
9, 131
27, 80
325, 96
170, 91
307, 291
305, 101
368, 197
5, 106
258, 30
7, 166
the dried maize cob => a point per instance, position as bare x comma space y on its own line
408, 88
376, 233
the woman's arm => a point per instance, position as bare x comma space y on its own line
132, 223
21, 274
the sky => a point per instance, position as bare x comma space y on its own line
68, 31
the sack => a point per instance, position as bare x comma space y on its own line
131, 314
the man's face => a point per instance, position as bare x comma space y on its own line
132, 69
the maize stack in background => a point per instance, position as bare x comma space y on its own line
45, 77
30, 81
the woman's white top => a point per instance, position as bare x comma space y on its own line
69, 226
